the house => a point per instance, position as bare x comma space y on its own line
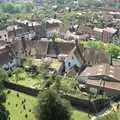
101, 78
105, 34
84, 29
90, 56
98, 33
108, 34
74, 59
31, 28
53, 27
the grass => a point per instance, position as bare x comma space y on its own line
18, 113
26, 79
110, 116
79, 115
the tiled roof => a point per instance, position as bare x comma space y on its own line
109, 85
102, 70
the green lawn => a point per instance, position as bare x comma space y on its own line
26, 79
18, 112
78, 115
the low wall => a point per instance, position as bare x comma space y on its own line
82, 104
20, 88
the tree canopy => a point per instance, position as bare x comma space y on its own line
51, 107
111, 48
3, 112
3, 74
16, 7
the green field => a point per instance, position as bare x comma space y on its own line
17, 112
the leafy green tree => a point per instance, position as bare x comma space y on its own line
112, 49
17, 72
4, 114
51, 107
16, 7
3, 75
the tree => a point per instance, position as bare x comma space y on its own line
3, 112
3, 75
51, 107
111, 48
17, 72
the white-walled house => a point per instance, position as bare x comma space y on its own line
73, 59
90, 56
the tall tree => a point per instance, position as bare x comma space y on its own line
51, 107
3, 112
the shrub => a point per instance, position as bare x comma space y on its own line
17, 94
8, 92
26, 116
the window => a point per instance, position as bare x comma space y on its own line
0, 37
5, 35
69, 64
5, 39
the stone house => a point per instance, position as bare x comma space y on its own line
101, 78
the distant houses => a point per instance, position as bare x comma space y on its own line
53, 27
105, 34
67, 51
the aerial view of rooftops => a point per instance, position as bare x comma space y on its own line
59, 59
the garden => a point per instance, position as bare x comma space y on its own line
38, 77
22, 107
